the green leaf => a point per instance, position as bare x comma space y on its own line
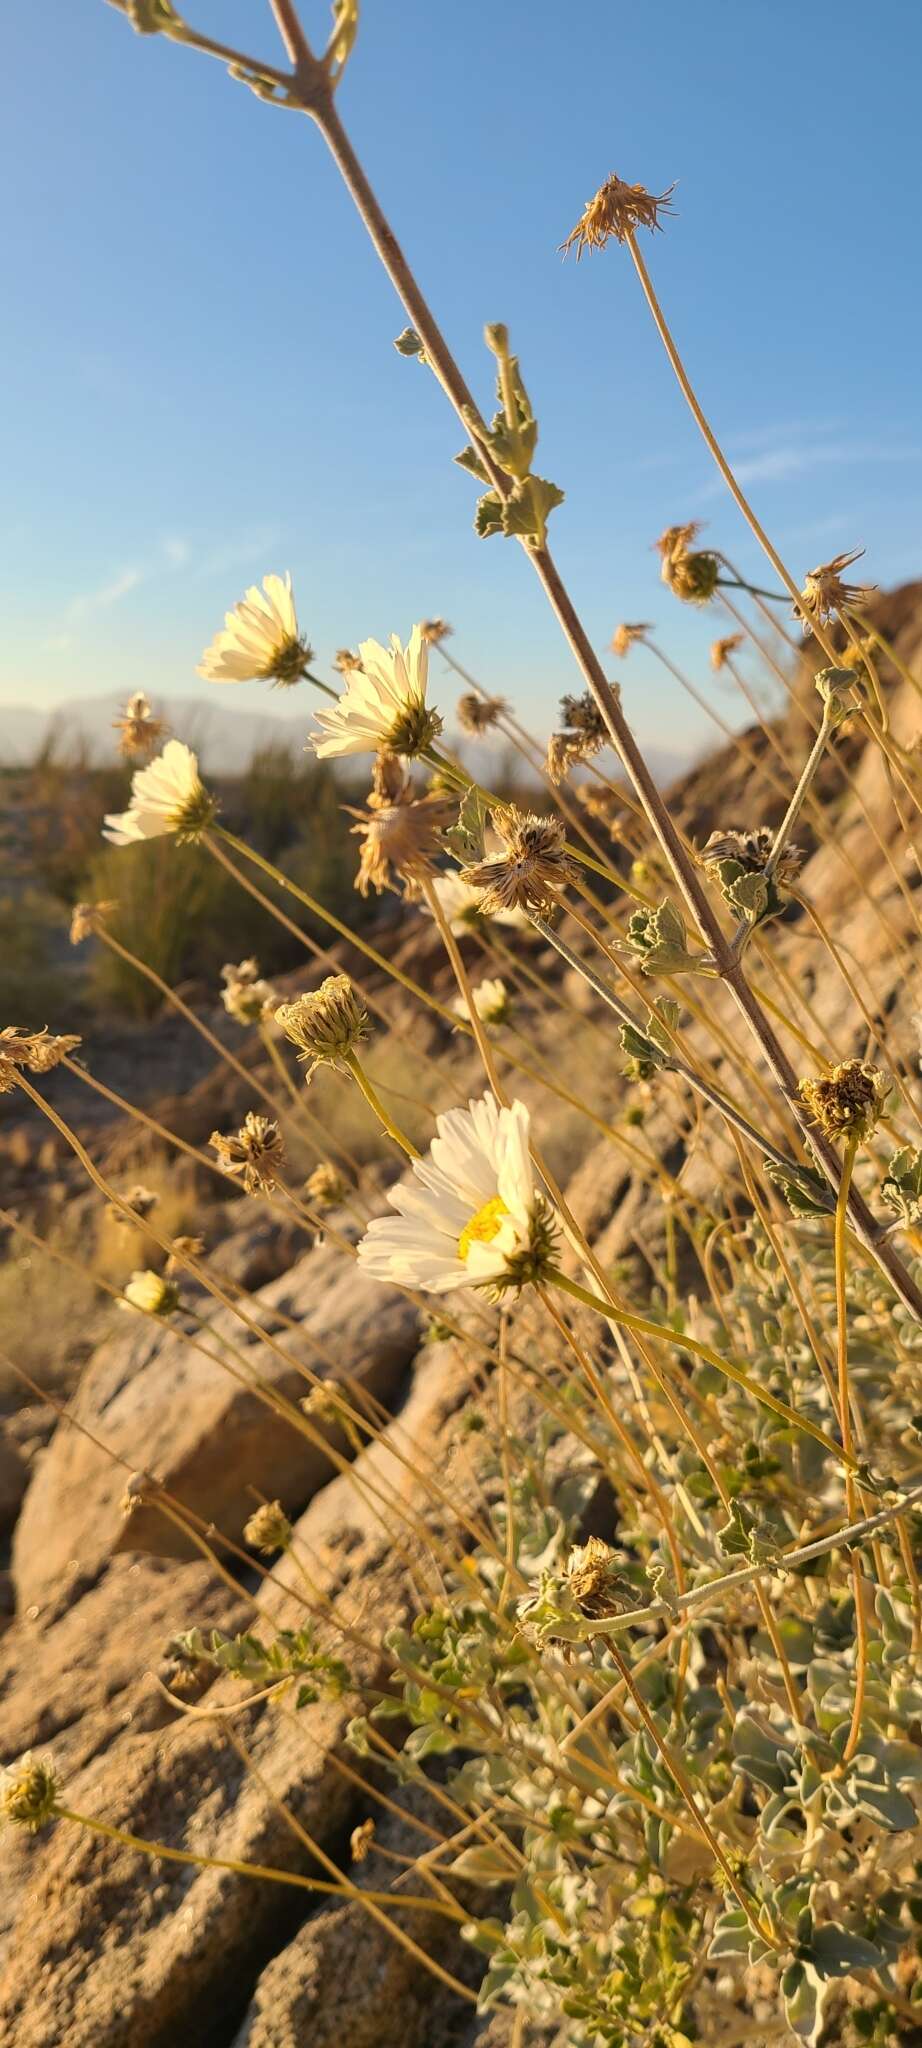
488, 518
466, 836
408, 344
527, 508
482, 1864
834, 1952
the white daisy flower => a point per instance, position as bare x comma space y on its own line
472, 1217
260, 641
462, 906
491, 1002
166, 796
383, 704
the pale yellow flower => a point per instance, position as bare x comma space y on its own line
260, 640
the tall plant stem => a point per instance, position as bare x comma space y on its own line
374, 1102
317, 99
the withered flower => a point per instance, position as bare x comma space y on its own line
326, 1024
533, 868
583, 734
139, 731
626, 636
690, 572
722, 649
88, 920
400, 839
594, 1577
847, 1102
825, 593
434, 630
37, 1051
268, 1528
361, 1841
254, 1154
617, 210
751, 849
181, 1250
477, 714
345, 660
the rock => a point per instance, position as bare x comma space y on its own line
110, 1950
176, 1409
14, 1478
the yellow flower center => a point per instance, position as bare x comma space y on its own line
483, 1226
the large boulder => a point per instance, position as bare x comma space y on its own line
198, 1409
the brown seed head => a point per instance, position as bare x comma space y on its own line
139, 1199
361, 1841
89, 919
690, 572
584, 734
626, 636
825, 593
139, 731
722, 649
477, 714
268, 1528
533, 868
594, 1578
37, 1051
400, 840
434, 630
254, 1154
846, 1103
326, 1024
346, 661
751, 849
181, 1249
617, 210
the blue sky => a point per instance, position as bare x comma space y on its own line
200, 379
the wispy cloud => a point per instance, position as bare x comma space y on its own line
780, 463
170, 554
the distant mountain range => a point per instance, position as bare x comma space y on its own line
225, 740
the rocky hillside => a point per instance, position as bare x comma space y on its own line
102, 1949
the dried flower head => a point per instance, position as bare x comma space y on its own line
626, 636
531, 871
254, 1154
594, 1577
825, 593
617, 210
401, 840
434, 630
28, 1792
476, 714
326, 1024
139, 1199
36, 1051
345, 659
166, 796
390, 781
583, 734
182, 1249
268, 1528
751, 850
690, 572
150, 1293
491, 1002
246, 996
848, 1102
325, 1187
361, 1841
88, 920
721, 650
260, 641
139, 731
